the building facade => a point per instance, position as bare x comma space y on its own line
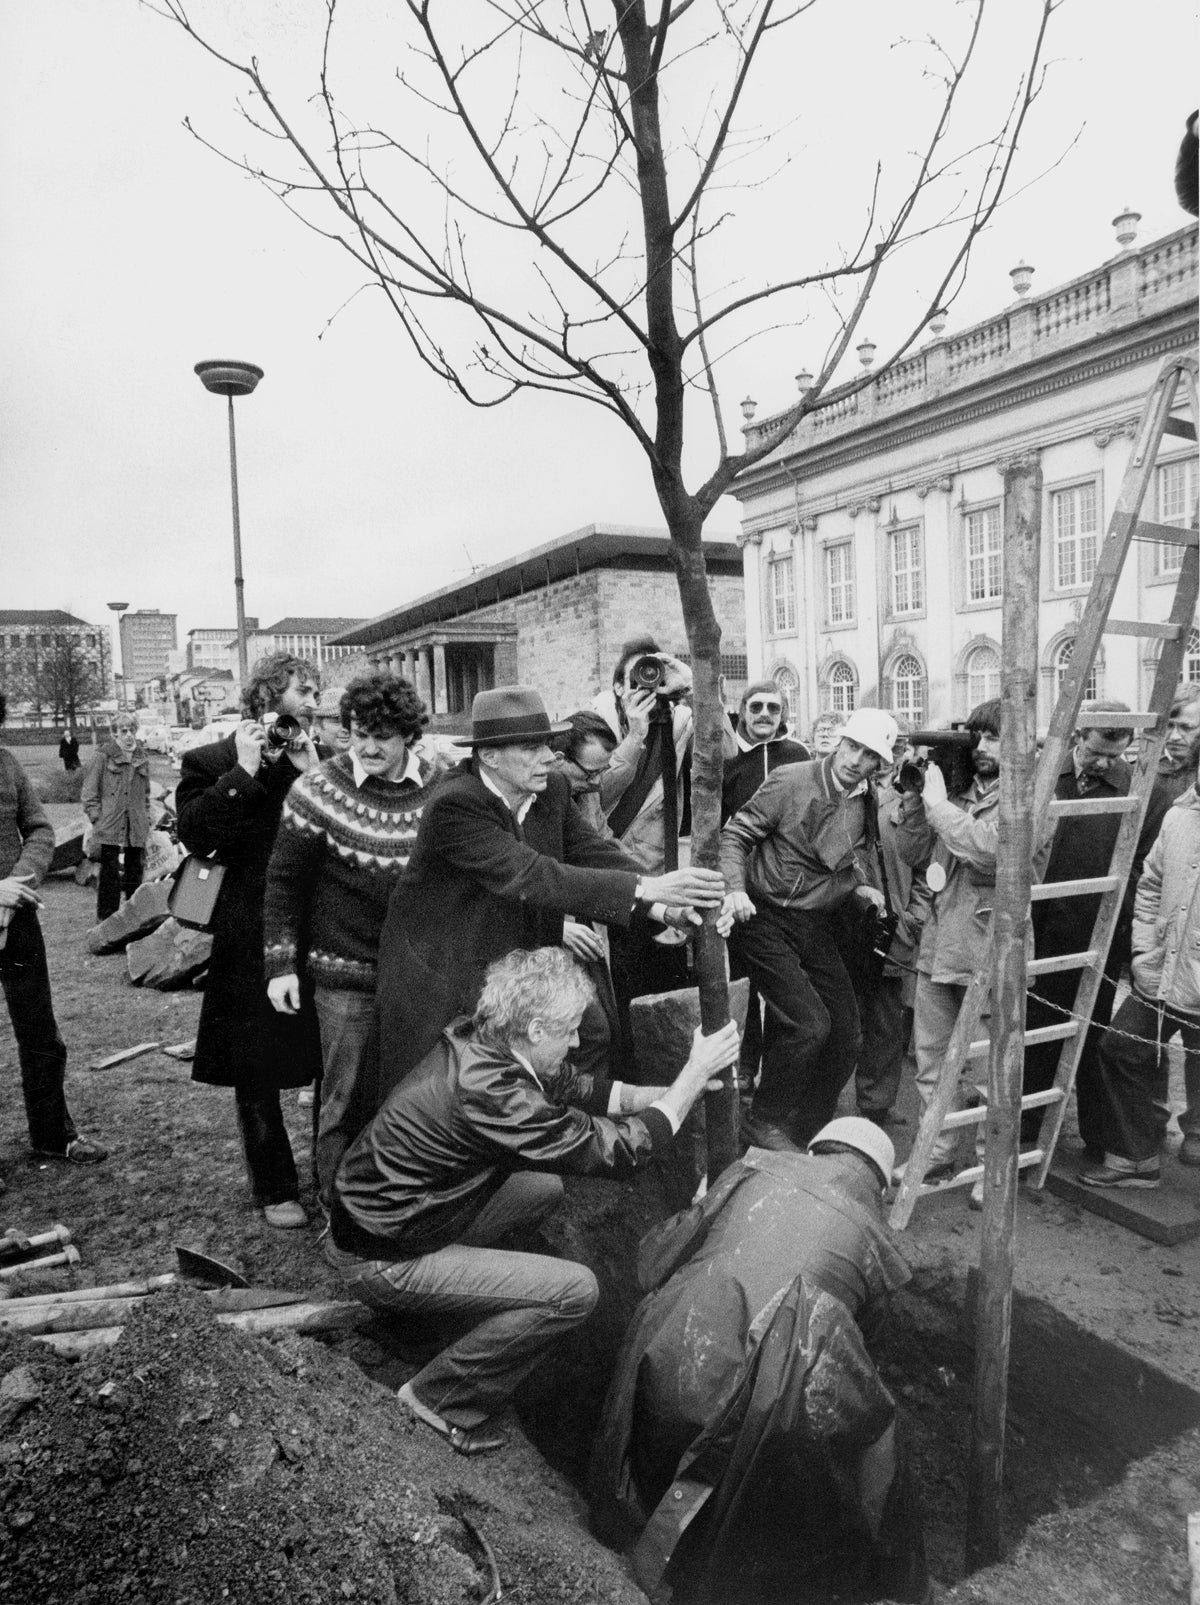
147, 639
309, 639
554, 618
209, 648
872, 536
49, 657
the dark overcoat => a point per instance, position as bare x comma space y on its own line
477, 886
241, 1041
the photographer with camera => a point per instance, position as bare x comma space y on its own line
955, 836
647, 711
229, 802
805, 892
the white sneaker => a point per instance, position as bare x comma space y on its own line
286, 1216
307, 1097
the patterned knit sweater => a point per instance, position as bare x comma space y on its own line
338, 854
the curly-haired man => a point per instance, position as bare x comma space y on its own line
347, 830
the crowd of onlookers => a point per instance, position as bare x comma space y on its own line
448, 948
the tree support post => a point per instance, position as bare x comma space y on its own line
1014, 856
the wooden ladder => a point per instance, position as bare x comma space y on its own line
1158, 420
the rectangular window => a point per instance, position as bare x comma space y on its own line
1076, 537
1176, 488
783, 596
839, 583
908, 579
984, 569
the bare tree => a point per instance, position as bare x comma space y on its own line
65, 681
546, 208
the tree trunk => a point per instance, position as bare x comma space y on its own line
704, 643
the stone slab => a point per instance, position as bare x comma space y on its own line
1167, 1214
170, 957
144, 912
68, 844
662, 1025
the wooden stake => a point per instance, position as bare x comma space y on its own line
1014, 856
125, 1053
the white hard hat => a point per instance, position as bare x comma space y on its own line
874, 729
865, 1137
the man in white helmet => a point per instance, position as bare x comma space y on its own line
801, 865
745, 1408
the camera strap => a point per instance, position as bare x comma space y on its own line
649, 769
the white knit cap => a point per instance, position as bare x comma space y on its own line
874, 729
868, 1139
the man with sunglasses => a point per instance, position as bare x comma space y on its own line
762, 745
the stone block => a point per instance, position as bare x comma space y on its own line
662, 1026
171, 956
68, 845
144, 912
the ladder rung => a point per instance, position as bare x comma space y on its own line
1180, 427
1081, 807
1063, 961
973, 1173
1047, 891
1168, 534
1043, 1033
978, 1112
1156, 632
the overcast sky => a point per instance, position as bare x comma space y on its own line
129, 252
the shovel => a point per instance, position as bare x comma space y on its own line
203, 1271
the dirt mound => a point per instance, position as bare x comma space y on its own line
191, 1463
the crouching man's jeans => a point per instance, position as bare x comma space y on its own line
521, 1302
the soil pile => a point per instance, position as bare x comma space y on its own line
191, 1463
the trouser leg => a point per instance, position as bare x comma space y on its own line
523, 1303
41, 1052
135, 863
1189, 1120
935, 1012
641, 966
265, 1145
1133, 1065
108, 889
877, 1079
345, 1019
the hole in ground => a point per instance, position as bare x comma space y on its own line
1080, 1410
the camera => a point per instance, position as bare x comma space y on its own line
951, 751
650, 673
282, 729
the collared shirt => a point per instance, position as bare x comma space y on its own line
521, 809
410, 777
858, 790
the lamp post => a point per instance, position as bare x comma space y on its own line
231, 379
119, 674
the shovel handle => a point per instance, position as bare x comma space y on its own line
69, 1256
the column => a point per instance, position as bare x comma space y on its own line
441, 701
751, 545
423, 682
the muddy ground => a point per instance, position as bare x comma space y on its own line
86, 1486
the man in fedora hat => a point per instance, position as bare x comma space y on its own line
801, 863
502, 853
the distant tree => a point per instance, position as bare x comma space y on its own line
65, 682
546, 194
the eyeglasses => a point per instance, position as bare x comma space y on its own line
760, 705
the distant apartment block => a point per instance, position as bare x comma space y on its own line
303, 638
30, 639
215, 648
147, 639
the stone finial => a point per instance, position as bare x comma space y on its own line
1126, 225
749, 408
1022, 277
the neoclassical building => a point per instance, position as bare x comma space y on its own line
871, 537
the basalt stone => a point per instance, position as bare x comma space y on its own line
144, 912
170, 957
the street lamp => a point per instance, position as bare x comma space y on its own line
233, 379
119, 674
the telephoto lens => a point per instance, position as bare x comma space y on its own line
282, 730
648, 672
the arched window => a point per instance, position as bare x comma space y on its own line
908, 688
843, 688
983, 675
1062, 663
1191, 659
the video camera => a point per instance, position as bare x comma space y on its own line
649, 673
951, 751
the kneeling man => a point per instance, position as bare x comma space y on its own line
469, 1147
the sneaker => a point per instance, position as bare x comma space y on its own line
1189, 1153
79, 1151
287, 1216
1110, 1176
307, 1097
975, 1196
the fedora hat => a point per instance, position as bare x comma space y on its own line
508, 715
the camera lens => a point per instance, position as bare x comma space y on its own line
284, 730
647, 673
911, 777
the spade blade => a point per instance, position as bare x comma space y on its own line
208, 1272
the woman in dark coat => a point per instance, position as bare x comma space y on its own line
228, 803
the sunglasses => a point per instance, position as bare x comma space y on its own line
758, 705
